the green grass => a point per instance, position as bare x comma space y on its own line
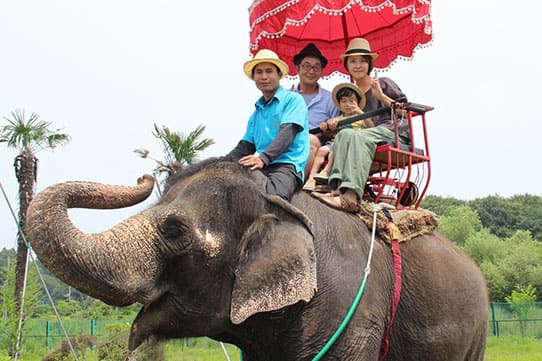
508, 348
504, 348
513, 348
201, 353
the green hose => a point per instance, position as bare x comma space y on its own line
343, 324
354, 304
341, 327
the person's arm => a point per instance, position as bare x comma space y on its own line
285, 137
242, 149
395, 94
387, 91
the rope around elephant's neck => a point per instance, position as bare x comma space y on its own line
355, 303
224, 350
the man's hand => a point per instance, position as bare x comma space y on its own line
252, 161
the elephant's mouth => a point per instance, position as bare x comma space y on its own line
160, 317
168, 316
145, 323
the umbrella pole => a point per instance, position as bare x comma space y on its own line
345, 32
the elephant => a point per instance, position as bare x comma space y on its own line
216, 256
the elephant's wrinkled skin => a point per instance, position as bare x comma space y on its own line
217, 257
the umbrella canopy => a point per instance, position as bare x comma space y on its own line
394, 28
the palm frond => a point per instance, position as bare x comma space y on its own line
143, 153
189, 149
56, 139
177, 149
31, 133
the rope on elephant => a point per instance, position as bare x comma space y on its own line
410, 223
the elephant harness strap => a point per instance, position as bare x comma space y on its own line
395, 236
401, 227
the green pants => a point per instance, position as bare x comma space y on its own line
353, 153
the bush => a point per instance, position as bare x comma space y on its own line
115, 347
64, 353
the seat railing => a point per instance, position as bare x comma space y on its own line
400, 173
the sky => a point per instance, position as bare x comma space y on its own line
105, 71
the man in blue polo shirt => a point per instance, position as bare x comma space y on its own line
276, 140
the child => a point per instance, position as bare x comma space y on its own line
350, 101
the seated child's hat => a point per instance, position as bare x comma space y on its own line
352, 86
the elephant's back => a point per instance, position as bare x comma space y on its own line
444, 299
443, 268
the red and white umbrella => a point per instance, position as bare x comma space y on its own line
394, 28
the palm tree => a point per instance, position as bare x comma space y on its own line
178, 150
28, 136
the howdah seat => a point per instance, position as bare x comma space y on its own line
400, 173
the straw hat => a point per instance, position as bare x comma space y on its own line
312, 51
359, 46
352, 86
265, 56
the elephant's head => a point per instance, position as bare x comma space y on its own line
212, 252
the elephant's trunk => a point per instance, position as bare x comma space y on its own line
117, 266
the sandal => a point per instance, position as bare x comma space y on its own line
319, 195
323, 188
338, 202
309, 186
322, 177
327, 192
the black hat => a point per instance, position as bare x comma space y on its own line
310, 50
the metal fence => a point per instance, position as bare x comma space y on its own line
506, 319
40, 333
49, 333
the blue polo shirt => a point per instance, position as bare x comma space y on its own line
263, 126
321, 107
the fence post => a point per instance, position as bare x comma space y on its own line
47, 333
495, 324
92, 331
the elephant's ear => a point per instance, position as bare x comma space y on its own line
289, 209
276, 268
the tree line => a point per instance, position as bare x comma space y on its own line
502, 235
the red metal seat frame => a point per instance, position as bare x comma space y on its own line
397, 168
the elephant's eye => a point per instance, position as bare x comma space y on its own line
173, 228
